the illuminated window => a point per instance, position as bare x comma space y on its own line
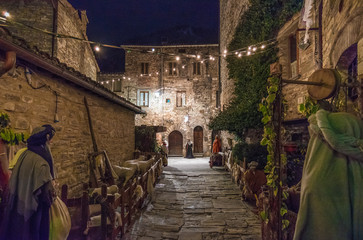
180, 98
144, 98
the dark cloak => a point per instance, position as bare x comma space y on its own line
189, 150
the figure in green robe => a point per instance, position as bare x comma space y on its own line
331, 205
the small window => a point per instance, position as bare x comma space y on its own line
144, 98
180, 98
144, 68
116, 85
196, 68
167, 100
172, 69
293, 56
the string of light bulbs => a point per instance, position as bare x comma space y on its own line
245, 51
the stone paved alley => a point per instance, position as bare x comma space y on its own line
192, 201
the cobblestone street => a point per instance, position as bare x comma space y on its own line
192, 201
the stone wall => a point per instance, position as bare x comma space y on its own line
74, 53
307, 63
201, 90
37, 13
54, 16
114, 126
230, 14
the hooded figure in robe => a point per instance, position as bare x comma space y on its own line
331, 202
189, 149
31, 191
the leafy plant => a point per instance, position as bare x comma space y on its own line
250, 152
308, 107
7, 134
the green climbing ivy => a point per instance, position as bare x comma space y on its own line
266, 107
7, 134
259, 23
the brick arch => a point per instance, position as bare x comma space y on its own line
349, 34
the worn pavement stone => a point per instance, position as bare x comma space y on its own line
192, 201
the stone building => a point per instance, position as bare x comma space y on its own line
178, 88
39, 89
54, 17
335, 42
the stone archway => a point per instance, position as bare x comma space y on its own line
349, 34
175, 143
198, 139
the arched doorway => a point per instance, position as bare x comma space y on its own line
198, 139
175, 143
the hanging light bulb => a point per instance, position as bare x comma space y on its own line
124, 77
224, 55
183, 67
240, 55
129, 78
225, 51
210, 57
236, 53
254, 49
113, 80
153, 49
198, 56
97, 48
248, 53
177, 58
249, 48
263, 46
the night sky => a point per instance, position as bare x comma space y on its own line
124, 21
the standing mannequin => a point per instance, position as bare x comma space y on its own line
331, 186
216, 145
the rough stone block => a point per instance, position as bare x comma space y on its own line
22, 124
9, 106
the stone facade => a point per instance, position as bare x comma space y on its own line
158, 76
58, 17
230, 15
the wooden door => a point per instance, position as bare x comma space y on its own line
198, 139
175, 144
